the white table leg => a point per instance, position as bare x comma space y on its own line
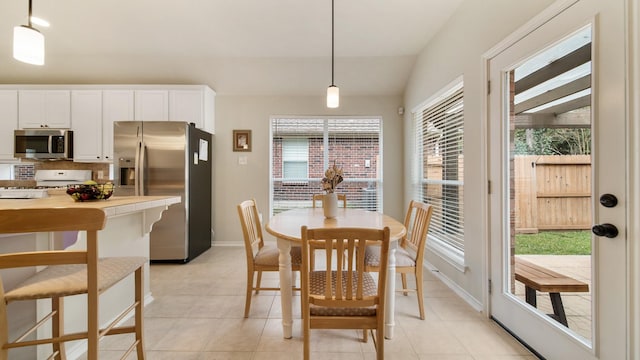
391, 291
284, 260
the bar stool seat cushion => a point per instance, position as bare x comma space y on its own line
66, 280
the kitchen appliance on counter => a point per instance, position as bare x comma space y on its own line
168, 158
43, 144
61, 178
47, 179
23, 193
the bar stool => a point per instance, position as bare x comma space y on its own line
68, 273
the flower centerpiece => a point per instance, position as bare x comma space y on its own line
332, 177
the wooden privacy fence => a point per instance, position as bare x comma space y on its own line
552, 192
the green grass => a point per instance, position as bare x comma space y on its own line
554, 243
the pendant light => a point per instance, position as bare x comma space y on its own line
333, 92
28, 43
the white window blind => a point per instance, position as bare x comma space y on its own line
295, 159
310, 145
439, 168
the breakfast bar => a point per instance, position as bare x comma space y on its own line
129, 220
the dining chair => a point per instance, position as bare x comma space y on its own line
347, 297
316, 198
260, 256
67, 273
410, 253
319, 197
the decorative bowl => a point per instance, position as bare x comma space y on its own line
88, 192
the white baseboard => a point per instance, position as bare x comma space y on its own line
226, 243
473, 302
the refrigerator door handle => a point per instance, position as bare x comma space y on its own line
136, 183
143, 167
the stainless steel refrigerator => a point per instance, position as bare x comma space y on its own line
168, 158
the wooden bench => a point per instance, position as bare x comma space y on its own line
538, 278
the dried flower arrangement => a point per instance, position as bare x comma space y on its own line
332, 177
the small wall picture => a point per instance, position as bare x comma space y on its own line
241, 140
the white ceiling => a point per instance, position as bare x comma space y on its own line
261, 47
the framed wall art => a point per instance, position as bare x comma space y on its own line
241, 140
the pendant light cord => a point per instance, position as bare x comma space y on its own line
30, 12
332, 41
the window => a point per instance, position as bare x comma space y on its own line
303, 148
438, 168
295, 159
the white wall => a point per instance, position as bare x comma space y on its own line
234, 183
457, 50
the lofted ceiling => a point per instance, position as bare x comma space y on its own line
248, 47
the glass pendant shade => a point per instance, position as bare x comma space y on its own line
28, 45
333, 97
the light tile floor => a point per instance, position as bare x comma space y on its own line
198, 315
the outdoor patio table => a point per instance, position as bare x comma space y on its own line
286, 226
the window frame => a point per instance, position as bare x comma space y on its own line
300, 180
327, 132
449, 245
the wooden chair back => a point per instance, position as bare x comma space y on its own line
319, 197
352, 300
417, 222
251, 229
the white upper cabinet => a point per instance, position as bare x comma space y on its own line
44, 108
117, 105
86, 117
186, 105
151, 105
8, 122
193, 106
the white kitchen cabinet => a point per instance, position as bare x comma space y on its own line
8, 122
193, 106
117, 105
44, 108
186, 105
86, 118
151, 105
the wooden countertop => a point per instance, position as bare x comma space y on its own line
113, 206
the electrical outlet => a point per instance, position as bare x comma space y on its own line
100, 174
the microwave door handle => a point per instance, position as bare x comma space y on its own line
50, 144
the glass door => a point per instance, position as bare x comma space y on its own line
557, 167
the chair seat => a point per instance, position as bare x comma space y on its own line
317, 280
268, 256
403, 257
66, 280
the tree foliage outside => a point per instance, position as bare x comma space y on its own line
547, 141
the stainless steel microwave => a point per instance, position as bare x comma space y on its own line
43, 144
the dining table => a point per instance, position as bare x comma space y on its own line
286, 227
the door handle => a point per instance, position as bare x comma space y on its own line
606, 230
608, 200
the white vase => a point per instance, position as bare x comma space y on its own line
330, 205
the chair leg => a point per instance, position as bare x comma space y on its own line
379, 345
139, 313
305, 339
57, 327
258, 281
247, 302
403, 276
419, 283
